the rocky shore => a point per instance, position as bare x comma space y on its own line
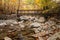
30, 28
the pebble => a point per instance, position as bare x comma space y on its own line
55, 36
54, 27
39, 34
40, 26
7, 38
51, 23
23, 17
31, 18
11, 25
35, 24
41, 19
20, 22
20, 37
36, 20
58, 26
36, 30
45, 26
22, 26
40, 38
1, 24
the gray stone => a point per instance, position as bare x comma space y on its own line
35, 24
23, 17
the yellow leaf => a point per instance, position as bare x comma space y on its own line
13, 0
37, 1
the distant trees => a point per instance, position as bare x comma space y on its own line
48, 5
45, 5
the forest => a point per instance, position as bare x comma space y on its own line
29, 19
